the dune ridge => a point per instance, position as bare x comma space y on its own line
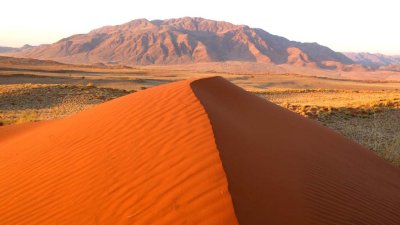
284, 169
146, 158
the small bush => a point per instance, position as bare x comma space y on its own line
392, 152
90, 85
28, 117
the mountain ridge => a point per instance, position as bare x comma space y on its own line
373, 59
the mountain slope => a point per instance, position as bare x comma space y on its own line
182, 41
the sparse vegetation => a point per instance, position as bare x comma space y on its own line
29, 116
391, 152
23, 103
367, 117
90, 85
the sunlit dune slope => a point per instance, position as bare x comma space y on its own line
146, 158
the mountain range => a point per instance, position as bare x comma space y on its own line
191, 40
183, 41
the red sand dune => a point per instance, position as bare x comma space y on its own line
191, 152
146, 158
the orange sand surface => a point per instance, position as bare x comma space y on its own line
146, 158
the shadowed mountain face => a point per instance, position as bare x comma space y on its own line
369, 59
181, 41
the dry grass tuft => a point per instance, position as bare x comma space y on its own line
90, 85
392, 152
29, 116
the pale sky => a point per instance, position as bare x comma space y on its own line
343, 25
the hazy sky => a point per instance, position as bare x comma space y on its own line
343, 25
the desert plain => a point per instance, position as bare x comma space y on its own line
365, 111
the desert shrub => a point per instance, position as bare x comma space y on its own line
392, 151
90, 85
26, 117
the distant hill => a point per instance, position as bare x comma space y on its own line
183, 41
4, 60
12, 50
7, 49
370, 59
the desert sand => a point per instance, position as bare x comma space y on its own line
191, 152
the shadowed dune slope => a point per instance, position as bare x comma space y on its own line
146, 158
284, 169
